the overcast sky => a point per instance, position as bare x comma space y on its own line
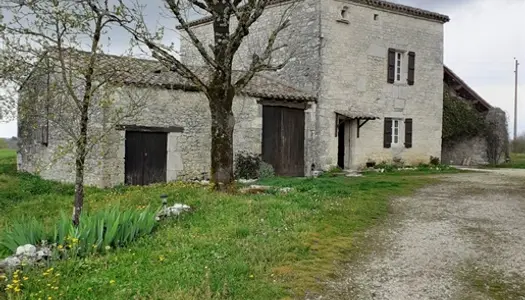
481, 41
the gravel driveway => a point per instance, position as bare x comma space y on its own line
461, 239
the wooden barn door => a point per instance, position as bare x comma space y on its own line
145, 161
283, 140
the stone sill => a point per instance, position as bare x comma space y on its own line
343, 21
400, 84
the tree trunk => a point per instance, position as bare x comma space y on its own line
222, 125
80, 160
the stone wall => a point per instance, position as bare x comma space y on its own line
472, 151
189, 151
302, 38
40, 107
354, 77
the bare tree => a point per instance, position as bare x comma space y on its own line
231, 22
40, 42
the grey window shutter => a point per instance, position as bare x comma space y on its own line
387, 137
391, 65
408, 133
411, 67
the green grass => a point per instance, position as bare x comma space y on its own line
267, 246
492, 284
517, 161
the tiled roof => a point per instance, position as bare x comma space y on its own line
356, 114
394, 7
467, 88
136, 71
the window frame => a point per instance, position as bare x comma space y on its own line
398, 135
398, 66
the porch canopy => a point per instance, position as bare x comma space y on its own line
361, 117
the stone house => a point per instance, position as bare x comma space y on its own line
364, 82
472, 150
375, 67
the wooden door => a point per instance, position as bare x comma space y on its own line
283, 140
145, 161
341, 145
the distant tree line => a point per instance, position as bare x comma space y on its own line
518, 145
9, 143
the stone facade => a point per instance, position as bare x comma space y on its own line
344, 62
354, 77
188, 151
341, 58
302, 39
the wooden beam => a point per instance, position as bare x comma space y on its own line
149, 128
359, 125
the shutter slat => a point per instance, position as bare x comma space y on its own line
408, 133
387, 137
391, 70
411, 68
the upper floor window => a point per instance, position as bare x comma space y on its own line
401, 69
398, 64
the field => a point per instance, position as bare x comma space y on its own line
517, 161
267, 246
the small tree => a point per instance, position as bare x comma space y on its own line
39, 42
231, 22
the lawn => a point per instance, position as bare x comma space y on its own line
268, 246
517, 161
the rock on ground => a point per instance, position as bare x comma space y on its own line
443, 241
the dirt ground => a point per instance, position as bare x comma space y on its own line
461, 239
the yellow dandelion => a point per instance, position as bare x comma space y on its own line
251, 275
26, 278
112, 281
49, 284
60, 247
57, 275
15, 281
49, 298
161, 258
9, 286
17, 290
50, 270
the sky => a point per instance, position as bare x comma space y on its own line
481, 41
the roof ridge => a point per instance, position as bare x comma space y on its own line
391, 6
471, 90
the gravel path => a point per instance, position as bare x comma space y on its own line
461, 239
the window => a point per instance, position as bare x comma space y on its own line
395, 131
397, 66
399, 63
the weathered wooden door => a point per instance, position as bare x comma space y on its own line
145, 161
341, 145
283, 140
